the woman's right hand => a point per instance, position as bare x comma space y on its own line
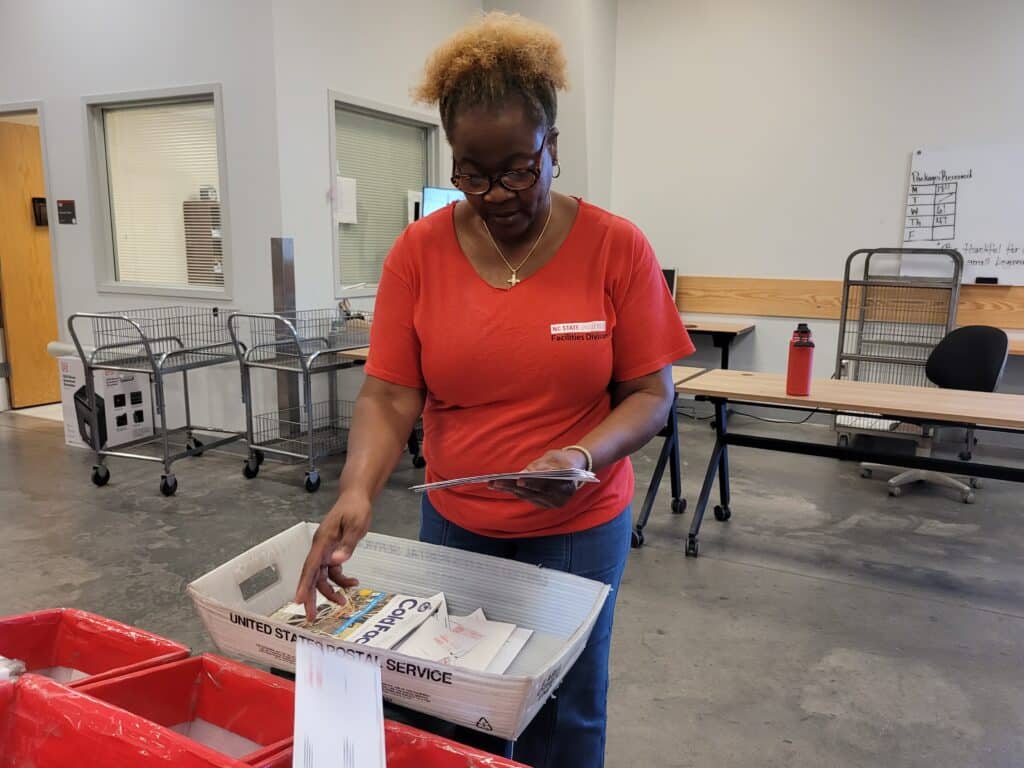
333, 544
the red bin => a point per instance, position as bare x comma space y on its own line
234, 709
77, 648
45, 725
408, 747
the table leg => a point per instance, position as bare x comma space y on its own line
667, 450
718, 460
722, 511
675, 464
723, 341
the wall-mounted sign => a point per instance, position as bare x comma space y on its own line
66, 212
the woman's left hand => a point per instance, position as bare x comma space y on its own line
550, 494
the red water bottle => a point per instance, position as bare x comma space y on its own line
801, 356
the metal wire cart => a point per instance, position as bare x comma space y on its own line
898, 303
305, 343
157, 342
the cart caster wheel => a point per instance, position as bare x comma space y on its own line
844, 441
722, 513
691, 547
974, 482
260, 458
419, 462
965, 455
195, 447
100, 475
168, 485
866, 473
312, 481
678, 506
250, 468
967, 497
895, 491
637, 539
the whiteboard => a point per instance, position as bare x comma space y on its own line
970, 199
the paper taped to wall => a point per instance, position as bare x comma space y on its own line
345, 201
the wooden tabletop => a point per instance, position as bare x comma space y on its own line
921, 403
716, 326
362, 353
1017, 345
681, 373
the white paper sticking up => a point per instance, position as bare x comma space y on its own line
345, 199
515, 643
339, 717
468, 642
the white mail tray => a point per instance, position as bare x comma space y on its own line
235, 599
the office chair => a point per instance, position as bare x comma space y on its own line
970, 358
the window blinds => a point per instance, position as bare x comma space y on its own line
164, 184
388, 159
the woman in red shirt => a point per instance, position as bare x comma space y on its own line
530, 329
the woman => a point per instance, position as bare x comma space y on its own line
531, 330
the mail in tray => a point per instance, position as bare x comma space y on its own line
365, 616
569, 473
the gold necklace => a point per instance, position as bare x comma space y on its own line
514, 280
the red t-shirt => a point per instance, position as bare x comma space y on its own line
511, 374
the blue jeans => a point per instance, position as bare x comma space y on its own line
569, 730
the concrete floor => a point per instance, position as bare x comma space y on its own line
825, 625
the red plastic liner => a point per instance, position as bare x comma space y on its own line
238, 698
408, 747
100, 647
46, 725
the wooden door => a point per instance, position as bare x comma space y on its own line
26, 272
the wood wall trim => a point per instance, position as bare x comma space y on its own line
998, 305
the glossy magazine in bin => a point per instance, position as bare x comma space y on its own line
76, 648
46, 725
235, 602
241, 712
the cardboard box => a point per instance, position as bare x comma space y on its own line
124, 401
235, 600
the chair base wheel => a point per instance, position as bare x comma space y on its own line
678, 506
637, 539
419, 462
865, 472
313, 481
250, 468
968, 497
975, 482
722, 513
691, 547
895, 491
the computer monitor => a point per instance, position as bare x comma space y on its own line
670, 278
436, 198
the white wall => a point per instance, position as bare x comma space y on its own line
599, 36
564, 18
759, 138
369, 50
59, 52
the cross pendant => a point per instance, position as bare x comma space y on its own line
514, 280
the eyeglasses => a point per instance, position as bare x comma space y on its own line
515, 180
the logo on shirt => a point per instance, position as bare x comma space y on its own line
594, 330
